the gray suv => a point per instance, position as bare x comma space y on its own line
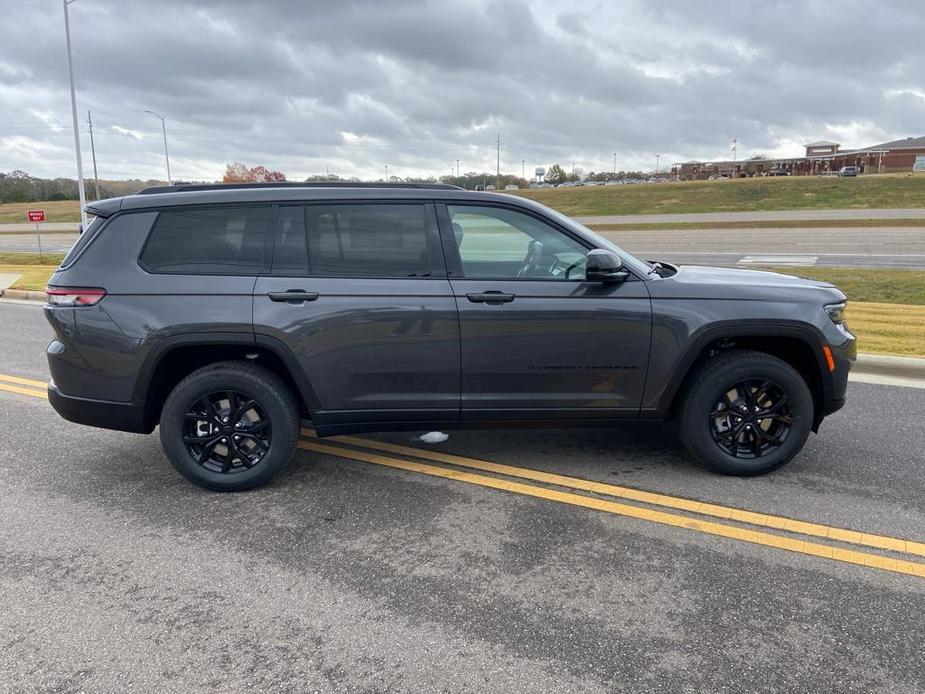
227, 314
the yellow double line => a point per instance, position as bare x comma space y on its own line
350, 447
599, 496
23, 386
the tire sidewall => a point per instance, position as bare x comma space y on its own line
273, 402
699, 435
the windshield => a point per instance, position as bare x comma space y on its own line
628, 259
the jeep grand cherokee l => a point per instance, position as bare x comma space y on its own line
227, 314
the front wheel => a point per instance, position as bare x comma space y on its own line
230, 426
745, 413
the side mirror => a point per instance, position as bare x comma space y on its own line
604, 266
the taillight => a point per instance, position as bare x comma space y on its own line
74, 296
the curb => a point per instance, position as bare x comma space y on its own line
22, 294
896, 367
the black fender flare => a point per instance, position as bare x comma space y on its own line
698, 341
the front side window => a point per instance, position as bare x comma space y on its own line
212, 241
368, 241
498, 243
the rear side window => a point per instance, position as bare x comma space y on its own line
353, 240
83, 241
212, 241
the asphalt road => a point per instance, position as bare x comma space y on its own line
901, 247
117, 575
898, 247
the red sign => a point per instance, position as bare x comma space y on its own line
36, 215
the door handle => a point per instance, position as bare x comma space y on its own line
490, 297
293, 296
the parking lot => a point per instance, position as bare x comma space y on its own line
575, 560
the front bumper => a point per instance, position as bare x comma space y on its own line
121, 416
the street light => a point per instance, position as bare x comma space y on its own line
70, 74
523, 169
657, 157
386, 173
166, 156
457, 168
614, 163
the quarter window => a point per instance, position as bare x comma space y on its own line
214, 241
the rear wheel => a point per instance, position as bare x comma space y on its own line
230, 426
745, 413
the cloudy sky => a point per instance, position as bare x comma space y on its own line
354, 85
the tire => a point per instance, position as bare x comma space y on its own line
200, 445
714, 441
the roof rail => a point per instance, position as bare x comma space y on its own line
188, 187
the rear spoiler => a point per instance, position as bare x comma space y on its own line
104, 208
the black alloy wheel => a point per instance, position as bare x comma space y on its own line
227, 432
751, 419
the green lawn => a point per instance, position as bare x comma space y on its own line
55, 211
883, 286
740, 195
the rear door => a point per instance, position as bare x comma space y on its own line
358, 292
538, 341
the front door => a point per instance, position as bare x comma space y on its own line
538, 341
359, 294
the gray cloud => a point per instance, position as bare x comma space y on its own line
358, 84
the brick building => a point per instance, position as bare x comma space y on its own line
823, 157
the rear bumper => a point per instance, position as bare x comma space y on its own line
121, 416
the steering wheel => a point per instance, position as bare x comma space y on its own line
534, 253
571, 267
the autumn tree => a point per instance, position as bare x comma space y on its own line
239, 172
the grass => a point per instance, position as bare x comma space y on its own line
55, 211
34, 269
762, 224
888, 328
884, 286
33, 277
739, 195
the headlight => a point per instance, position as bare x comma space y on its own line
837, 312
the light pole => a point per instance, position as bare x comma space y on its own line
657, 157
523, 169
166, 156
386, 173
614, 163
457, 168
70, 74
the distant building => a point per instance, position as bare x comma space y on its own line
821, 157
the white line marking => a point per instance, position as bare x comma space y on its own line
800, 260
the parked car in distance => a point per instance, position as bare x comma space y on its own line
227, 315
717, 177
848, 171
511, 186
778, 172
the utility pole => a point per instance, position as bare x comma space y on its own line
70, 74
614, 163
735, 146
96, 178
166, 156
386, 173
523, 169
457, 168
657, 157
498, 169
